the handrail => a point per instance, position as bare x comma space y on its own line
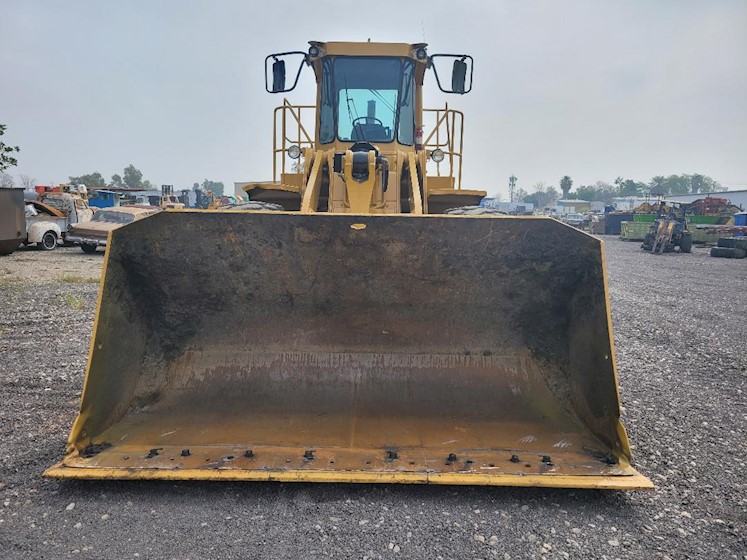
449, 125
447, 134
294, 128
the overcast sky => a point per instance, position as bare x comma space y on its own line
593, 89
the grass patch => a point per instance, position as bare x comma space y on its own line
10, 282
73, 279
74, 302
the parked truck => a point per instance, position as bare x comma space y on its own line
46, 226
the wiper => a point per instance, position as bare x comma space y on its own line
349, 101
382, 99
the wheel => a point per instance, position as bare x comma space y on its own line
728, 252
648, 242
733, 242
686, 243
474, 211
88, 248
48, 242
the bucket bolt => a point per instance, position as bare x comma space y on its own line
309, 455
153, 452
185, 453
249, 454
391, 455
547, 460
514, 458
452, 458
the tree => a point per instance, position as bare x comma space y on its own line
599, 192
91, 180
677, 184
148, 186
585, 192
709, 185
542, 196
565, 185
196, 186
117, 181
27, 182
628, 187
133, 178
511, 187
552, 195
6, 152
6, 180
656, 185
520, 195
704, 184
216, 187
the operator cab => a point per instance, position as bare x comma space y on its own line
367, 99
368, 92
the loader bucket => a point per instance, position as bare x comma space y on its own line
339, 348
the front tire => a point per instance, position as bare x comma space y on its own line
48, 242
686, 243
648, 242
88, 248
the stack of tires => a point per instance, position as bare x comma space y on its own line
730, 248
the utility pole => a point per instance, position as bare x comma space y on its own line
511, 187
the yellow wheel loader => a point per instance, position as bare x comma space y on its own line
361, 334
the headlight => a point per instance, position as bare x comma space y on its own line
420, 54
437, 155
294, 152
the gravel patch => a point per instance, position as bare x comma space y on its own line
680, 333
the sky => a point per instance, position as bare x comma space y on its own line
591, 89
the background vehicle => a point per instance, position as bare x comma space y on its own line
576, 220
669, 231
357, 340
46, 227
72, 206
12, 220
94, 234
167, 199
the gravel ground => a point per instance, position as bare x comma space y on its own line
680, 334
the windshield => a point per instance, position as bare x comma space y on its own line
367, 99
113, 217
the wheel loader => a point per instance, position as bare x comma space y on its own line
669, 231
361, 333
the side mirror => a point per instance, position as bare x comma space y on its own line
459, 76
275, 72
461, 70
278, 76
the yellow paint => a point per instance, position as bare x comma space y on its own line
635, 482
360, 193
417, 199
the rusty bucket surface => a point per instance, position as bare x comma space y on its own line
412, 349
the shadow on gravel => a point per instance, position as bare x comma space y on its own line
191, 494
